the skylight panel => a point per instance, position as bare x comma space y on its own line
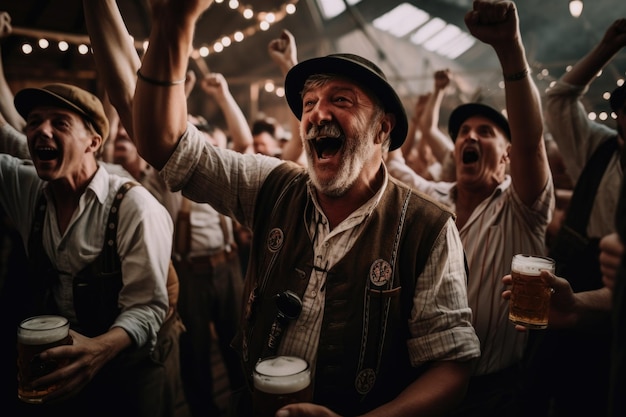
401, 20
444, 35
427, 31
457, 46
432, 33
333, 8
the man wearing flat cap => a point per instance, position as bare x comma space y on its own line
99, 251
594, 157
375, 270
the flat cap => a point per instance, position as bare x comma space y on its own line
68, 97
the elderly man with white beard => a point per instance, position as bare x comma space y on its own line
379, 268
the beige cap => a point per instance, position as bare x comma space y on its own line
68, 97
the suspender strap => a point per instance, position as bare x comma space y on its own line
95, 288
110, 238
576, 255
585, 190
111, 260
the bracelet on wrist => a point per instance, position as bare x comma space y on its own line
159, 83
516, 76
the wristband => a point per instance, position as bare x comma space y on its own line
516, 76
159, 82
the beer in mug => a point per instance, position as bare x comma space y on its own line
278, 381
529, 304
34, 335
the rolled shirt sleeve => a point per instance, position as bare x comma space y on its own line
229, 181
441, 320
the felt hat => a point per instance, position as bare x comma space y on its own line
465, 111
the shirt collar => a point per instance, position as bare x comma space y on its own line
362, 212
99, 185
500, 188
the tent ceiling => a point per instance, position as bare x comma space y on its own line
553, 40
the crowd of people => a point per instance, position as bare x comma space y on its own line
161, 235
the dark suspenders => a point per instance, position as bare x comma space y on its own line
96, 287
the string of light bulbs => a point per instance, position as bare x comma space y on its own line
263, 21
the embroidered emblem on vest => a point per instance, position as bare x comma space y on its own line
380, 272
365, 381
275, 239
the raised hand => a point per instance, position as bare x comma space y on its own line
283, 51
5, 25
215, 85
615, 35
493, 23
420, 105
442, 79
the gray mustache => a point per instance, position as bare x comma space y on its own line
328, 130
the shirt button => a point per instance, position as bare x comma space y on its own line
313, 293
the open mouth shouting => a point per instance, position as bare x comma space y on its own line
327, 140
470, 155
46, 153
327, 147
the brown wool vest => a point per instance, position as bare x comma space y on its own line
362, 356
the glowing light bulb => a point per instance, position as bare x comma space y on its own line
576, 7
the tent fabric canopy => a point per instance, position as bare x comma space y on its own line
553, 39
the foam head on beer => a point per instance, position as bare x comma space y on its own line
35, 335
42, 330
293, 375
531, 265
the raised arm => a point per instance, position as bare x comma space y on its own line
8, 112
160, 103
12, 138
585, 70
415, 152
439, 142
215, 85
414, 133
497, 24
413, 129
284, 53
115, 55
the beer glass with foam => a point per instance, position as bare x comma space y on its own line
34, 335
529, 304
278, 381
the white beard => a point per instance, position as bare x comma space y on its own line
357, 152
